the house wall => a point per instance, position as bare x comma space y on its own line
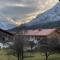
48, 38
5, 36
55, 35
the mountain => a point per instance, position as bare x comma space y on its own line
6, 24
50, 16
48, 19
55, 24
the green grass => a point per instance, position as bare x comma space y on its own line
35, 56
4, 56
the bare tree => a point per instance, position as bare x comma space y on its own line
47, 46
18, 46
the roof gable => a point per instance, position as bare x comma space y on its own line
38, 32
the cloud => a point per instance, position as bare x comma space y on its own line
20, 6
30, 3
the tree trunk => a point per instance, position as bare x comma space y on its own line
22, 53
46, 56
18, 55
31, 50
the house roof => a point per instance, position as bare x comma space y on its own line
38, 32
6, 32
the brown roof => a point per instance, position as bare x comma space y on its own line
38, 32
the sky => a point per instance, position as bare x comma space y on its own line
22, 11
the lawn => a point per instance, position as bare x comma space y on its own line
35, 56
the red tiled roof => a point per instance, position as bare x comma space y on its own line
42, 32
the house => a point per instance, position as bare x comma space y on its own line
38, 34
42, 34
5, 36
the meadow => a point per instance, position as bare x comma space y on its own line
34, 56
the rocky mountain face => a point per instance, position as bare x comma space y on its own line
51, 16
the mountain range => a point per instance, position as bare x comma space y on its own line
6, 24
48, 19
